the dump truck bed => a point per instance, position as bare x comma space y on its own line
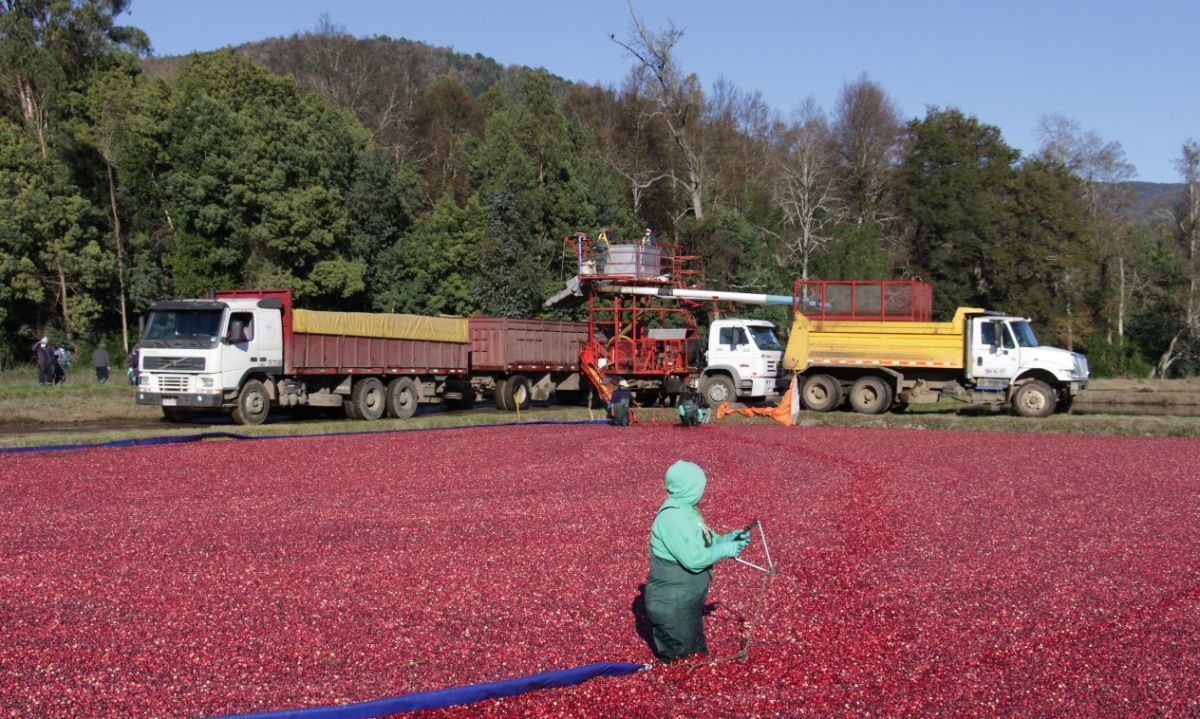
823, 342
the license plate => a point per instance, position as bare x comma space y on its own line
169, 401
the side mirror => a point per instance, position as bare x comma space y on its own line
235, 333
997, 334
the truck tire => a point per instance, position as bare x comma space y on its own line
718, 388
518, 392
1034, 399
500, 394
367, 398
821, 393
870, 395
253, 404
402, 398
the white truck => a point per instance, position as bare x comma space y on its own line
742, 361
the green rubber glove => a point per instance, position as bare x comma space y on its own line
735, 535
724, 550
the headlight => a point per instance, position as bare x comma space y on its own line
143, 379
206, 381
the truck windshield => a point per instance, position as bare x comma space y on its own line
1024, 333
765, 338
183, 328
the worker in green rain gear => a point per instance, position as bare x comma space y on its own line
682, 552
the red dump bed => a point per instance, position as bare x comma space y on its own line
342, 354
503, 344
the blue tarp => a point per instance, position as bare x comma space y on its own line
442, 698
174, 439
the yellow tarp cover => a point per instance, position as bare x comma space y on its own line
386, 326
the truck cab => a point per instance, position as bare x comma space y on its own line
196, 354
1004, 355
743, 360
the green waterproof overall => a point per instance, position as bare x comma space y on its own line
682, 552
674, 602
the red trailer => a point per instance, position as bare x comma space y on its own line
519, 360
248, 350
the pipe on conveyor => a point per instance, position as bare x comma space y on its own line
747, 298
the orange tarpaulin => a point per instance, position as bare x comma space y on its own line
784, 413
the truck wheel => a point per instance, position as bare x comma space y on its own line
402, 398
1034, 399
717, 389
518, 393
367, 398
500, 394
821, 393
870, 395
253, 404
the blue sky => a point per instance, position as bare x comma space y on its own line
1129, 71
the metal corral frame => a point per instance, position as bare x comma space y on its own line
865, 300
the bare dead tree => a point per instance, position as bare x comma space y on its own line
866, 134
677, 101
803, 184
1103, 173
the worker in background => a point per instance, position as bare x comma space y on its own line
45, 361
619, 405
62, 364
682, 552
100, 360
600, 250
690, 413
132, 364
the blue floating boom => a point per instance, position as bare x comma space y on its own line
453, 696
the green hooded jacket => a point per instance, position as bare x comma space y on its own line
679, 532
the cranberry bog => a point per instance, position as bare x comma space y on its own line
920, 573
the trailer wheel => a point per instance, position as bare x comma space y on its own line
1034, 399
402, 398
500, 394
718, 388
253, 404
367, 398
517, 393
821, 393
870, 395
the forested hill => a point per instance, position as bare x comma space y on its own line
388, 175
380, 79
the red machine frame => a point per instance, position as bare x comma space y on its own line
619, 342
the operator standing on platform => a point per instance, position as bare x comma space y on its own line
682, 552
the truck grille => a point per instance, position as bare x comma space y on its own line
772, 367
176, 363
172, 382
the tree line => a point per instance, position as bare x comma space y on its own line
379, 174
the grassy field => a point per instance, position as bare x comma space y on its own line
83, 412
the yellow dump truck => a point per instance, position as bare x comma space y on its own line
873, 344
